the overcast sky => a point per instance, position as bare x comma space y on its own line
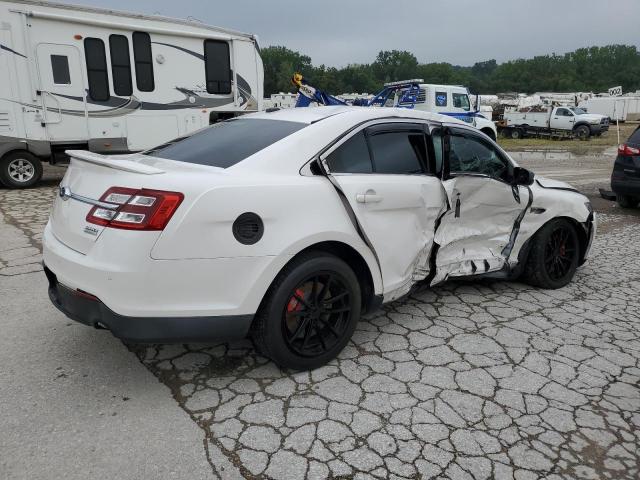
462, 32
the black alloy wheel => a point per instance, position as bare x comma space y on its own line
309, 313
554, 255
560, 252
317, 315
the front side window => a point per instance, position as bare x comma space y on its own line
225, 144
120, 65
564, 112
441, 99
217, 62
60, 69
351, 157
461, 100
143, 59
471, 155
399, 153
97, 69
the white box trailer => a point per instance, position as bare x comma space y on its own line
112, 82
622, 109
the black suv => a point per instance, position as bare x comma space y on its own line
625, 178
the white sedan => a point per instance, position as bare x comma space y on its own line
289, 225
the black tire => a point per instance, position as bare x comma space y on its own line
583, 132
489, 133
20, 169
553, 258
627, 201
292, 339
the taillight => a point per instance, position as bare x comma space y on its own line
136, 209
628, 151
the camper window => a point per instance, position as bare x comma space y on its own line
97, 69
60, 68
120, 65
217, 66
144, 61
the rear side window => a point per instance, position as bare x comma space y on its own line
60, 68
120, 65
441, 99
144, 61
227, 143
635, 137
97, 69
399, 153
217, 65
351, 157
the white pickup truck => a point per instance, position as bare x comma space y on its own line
552, 121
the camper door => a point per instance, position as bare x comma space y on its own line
62, 92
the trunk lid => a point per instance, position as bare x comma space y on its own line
88, 177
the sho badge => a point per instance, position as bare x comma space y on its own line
91, 230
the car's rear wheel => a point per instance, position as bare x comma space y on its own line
553, 258
627, 201
309, 313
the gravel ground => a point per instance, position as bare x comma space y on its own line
469, 380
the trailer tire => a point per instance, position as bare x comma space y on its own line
516, 134
583, 132
20, 169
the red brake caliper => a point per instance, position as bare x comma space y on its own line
294, 304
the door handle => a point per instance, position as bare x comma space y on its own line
369, 197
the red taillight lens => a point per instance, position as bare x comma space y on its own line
137, 209
628, 151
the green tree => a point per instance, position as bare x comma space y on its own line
586, 69
280, 64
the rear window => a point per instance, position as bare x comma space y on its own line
227, 143
635, 137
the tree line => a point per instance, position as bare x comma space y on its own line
584, 70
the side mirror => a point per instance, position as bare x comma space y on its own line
522, 176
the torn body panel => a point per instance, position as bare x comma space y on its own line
398, 214
476, 233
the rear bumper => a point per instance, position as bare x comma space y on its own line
89, 310
626, 186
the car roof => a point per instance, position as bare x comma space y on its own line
311, 115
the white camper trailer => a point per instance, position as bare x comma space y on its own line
112, 82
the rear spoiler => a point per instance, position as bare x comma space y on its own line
117, 163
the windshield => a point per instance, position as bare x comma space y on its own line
226, 143
578, 111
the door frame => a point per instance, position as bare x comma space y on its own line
322, 160
448, 131
46, 93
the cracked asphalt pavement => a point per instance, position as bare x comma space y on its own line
471, 380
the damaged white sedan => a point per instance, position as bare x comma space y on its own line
289, 225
